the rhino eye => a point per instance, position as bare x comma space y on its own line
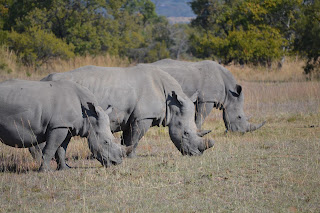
186, 133
239, 117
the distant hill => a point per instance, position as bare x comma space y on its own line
173, 8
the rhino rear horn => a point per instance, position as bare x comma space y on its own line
203, 132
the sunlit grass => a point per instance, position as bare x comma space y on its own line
274, 169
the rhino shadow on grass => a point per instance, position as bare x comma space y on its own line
32, 112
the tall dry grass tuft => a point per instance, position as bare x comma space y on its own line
8, 60
16, 160
292, 70
59, 65
12, 69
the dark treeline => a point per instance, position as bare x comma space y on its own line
239, 31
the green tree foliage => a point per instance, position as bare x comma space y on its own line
36, 46
254, 31
118, 27
255, 45
307, 42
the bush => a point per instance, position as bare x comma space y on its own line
35, 46
256, 45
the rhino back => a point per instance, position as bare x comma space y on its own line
28, 109
207, 77
133, 92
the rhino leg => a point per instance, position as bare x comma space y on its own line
54, 140
60, 155
202, 111
132, 135
36, 151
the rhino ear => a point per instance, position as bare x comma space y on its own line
237, 91
177, 97
194, 97
109, 110
97, 110
92, 107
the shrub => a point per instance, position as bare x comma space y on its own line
35, 46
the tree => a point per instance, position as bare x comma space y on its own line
118, 27
307, 41
234, 29
36, 46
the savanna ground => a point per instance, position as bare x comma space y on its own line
274, 169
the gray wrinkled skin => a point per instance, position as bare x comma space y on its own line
216, 88
33, 112
141, 99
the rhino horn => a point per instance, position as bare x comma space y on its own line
203, 132
126, 150
253, 127
206, 144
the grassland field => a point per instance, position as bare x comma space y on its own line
274, 169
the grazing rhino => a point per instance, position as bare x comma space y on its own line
32, 112
217, 89
141, 99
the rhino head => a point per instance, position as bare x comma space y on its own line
182, 128
233, 115
101, 140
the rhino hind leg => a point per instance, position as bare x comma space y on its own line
202, 111
60, 155
54, 140
132, 135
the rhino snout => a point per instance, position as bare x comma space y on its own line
206, 144
111, 155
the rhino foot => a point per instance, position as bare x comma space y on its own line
63, 167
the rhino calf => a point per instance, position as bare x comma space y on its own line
217, 89
33, 112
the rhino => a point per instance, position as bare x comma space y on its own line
217, 89
142, 98
34, 112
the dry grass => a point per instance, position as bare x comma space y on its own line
275, 169
57, 65
292, 70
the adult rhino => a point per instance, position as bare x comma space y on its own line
32, 112
217, 89
142, 96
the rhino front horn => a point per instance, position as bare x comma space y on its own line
253, 127
126, 150
206, 144
203, 132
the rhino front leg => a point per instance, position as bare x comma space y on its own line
202, 111
54, 140
60, 155
134, 133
